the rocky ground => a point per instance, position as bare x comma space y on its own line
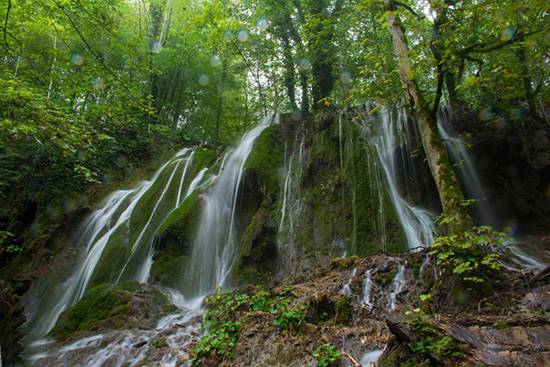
364, 306
353, 310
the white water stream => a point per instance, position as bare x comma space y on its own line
215, 249
390, 137
111, 225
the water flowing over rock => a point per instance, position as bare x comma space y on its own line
215, 250
391, 136
117, 240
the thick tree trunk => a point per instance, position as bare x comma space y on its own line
321, 50
450, 192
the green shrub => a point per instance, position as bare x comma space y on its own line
220, 340
326, 355
221, 319
158, 343
291, 318
468, 254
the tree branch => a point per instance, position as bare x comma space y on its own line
496, 44
81, 36
6, 22
411, 10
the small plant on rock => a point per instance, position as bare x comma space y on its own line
326, 355
429, 341
158, 343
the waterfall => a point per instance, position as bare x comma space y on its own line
215, 249
397, 286
111, 225
126, 212
376, 190
291, 190
346, 289
367, 289
118, 238
465, 169
391, 139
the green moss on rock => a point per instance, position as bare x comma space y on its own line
101, 303
343, 310
266, 157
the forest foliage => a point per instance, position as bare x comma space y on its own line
88, 88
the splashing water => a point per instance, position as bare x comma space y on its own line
367, 290
370, 359
466, 170
346, 289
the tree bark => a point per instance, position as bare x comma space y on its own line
219, 110
450, 192
290, 74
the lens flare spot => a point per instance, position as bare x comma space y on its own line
204, 80
77, 59
261, 24
228, 35
304, 64
346, 77
215, 60
98, 83
508, 35
243, 35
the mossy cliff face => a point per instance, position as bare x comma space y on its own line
306, 195
337, 208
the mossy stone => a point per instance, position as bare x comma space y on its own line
343, 310
266, 157
98, 304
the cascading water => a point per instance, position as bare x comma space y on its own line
118, 242
390, 138
346, 289
215, 249
397, 286
367, 290
291, 191
126, 223
377, 191
473, 187
466, 170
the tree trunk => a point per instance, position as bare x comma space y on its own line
446, 76
450, 192
220, 100
290, 74
321, 50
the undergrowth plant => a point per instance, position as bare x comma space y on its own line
221, 325
429, 341
469, 254
326, 355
